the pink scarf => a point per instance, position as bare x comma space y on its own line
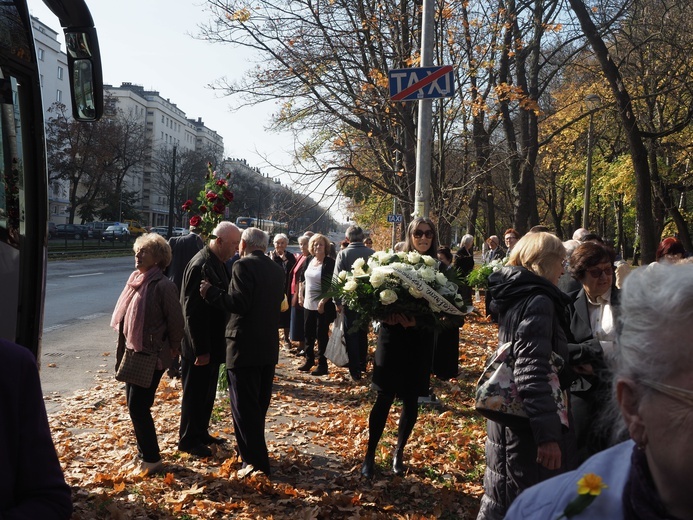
130, 308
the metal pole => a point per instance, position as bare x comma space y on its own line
422, 197
588, 176
172, 195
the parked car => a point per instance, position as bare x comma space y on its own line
180, 231
75, 231
134, 227
51, 229
116, 233
160, 230
97, 228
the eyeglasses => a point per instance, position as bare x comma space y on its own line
672, 391
596, 272
418, 233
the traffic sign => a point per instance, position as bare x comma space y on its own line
421, 83
394, 218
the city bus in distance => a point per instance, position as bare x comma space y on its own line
23, 166
272, 227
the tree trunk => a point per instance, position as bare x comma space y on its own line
638, 152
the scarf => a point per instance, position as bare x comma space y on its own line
130, 308
640, 498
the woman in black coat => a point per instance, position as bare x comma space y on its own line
402, 362
464, 263
287, 260
593, 314
532, 313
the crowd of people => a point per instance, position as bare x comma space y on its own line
613, 408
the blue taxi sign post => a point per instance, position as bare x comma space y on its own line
414, 84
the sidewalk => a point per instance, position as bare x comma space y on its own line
317, 430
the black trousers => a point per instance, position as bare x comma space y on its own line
250, 391
316, 326
140, 401
199, 391
356, 343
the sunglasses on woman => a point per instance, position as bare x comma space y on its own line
418, 233
596, 272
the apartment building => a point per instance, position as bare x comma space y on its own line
165, 124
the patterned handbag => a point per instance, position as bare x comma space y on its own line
136, 368
497, 397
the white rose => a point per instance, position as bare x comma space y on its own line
358, 263
388, 296
413, 257
377, 278
415, 292
429, 260
427, 275
358, 271
351, 285
342, 276
402, 255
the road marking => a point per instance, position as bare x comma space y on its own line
54, 327
92, 316
81, 275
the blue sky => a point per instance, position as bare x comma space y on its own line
148, 43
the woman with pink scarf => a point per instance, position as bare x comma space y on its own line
148, 317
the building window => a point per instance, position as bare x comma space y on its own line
59, 96
40, 54
60, 73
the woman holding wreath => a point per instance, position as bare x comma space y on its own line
402, 362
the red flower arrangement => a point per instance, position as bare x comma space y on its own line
216, 194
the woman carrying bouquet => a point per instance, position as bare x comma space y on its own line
402, 362
318, 312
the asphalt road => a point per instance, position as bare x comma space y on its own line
78, 344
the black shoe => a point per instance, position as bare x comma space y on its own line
355, 376
199, 451
210, 439
320, 371
368, 467
305, 367
398, 464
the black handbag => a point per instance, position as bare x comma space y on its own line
137, 368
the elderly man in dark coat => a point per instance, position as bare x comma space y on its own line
204, 344
356, 342
254, 302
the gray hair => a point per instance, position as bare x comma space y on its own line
280, 236
354, 234
303, 239
570, 246
653, 340
255, 238
221, 226
466, 240
656, 312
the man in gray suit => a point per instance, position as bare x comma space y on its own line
356, 342
254, 302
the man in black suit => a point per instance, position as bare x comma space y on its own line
204, 344
254, 300
183, 248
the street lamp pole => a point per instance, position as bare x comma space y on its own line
592, 101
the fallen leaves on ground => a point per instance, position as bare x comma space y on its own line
317, 430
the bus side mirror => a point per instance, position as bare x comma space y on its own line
86, 80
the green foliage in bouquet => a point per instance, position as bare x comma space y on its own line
211, 204
407, 283
478, 278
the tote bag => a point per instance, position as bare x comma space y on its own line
497, 397
336, 346
137, 368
